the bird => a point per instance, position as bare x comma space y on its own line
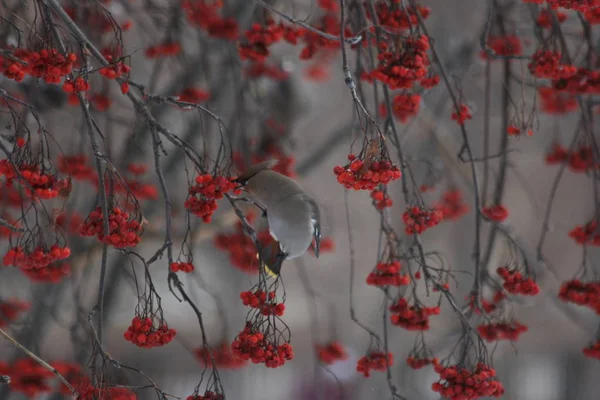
292, 215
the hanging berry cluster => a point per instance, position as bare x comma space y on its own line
77, 167
206, 15
331, 353
581, 293
53, 273
376, 361
181, 266
29, 257
458, 383
208, 395
163, 50
452, 205
418, 219
418, 363
411, 317
588, 234
261, 348
501, 331
203, 196
264, 302
47, 64
10, 310
124, 228
547, 64
258, 40
387, 274
395, 18
27, 377
575, 5
365, 174
516, 283
497, 213
45, 184
148, 331
381, 199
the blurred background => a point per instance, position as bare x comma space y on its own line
320, 130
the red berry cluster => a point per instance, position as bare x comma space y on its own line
402, 68
331, 353
418, 219
203, 196
241, 249
462, 114
327, 246
49, 65
405, 106
376, 361
418, 363
501, 331
592, 16
115, 70
44, 184
387, 274
398, 18
461, 384
545, 18
10, 311
582, 160
452, 205
194, 95
516, 283
575, 5
124, 231
505, 46
181, 266
581, 293
264, 302
51, 274
313, 42
205, 14
588, 234
143, 333
78, 85
554, 102
76, 166
253, 345
28, 377
258, 40
70, 371
557, 155
546, 64
222, 355
208, 395
164, 50
87, 391
593, 351
497, 213
412, 318
381, 199
40, 257
488, 306
362, 175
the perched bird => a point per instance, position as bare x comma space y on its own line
292, 215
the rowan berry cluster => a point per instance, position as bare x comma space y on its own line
163, 50
181, 266
87, 391
458, 383
194, 95
376, 361
501, 331
77, 167
582, 160
381, 199
593, 16
241, 249
462, 114
405, 106
588, 234
115, 70
593, 350
39, 257
418, 363
206, 16
506, 46
124, 229
45, 185
545, 18
331, 353
208, 395
418, 219
258, 40
402, 68
581, 293
387, 274
363, 175
145, 332
78, 85
487, 305
47, 64
497, 213
516, 283
313, 42
397, 18
251, 344
27, 377
203, 196
557, 155
264, 302
10, 311
554, 102
575, 5
222, 356
71, 372
51, 274
452, 205
547, 64
411, 317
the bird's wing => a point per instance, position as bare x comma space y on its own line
316, 223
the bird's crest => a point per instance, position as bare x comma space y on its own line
255, 169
